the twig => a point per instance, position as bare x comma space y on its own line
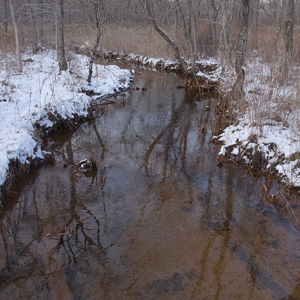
64, 233
287, 204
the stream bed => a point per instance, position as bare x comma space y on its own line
158, 219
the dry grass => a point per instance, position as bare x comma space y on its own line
141, 40
268, 100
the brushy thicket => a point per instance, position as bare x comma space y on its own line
264, 48
142, 39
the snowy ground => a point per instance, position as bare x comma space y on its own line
27, 98
268, 123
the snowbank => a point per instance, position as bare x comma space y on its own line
207, 69
266, 134
41, 91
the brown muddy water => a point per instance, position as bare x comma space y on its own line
158, 219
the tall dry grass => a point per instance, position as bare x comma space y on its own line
142, 39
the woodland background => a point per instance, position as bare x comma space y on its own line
198, 27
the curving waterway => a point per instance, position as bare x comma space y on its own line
158, 219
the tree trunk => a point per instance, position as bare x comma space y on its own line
17, 37
225, 43
237, 90
32, 17
288, 30
98, 9
5, 16
60, 42
243, 35
255, 13
213, 14
187, 26
170, 41
41, 23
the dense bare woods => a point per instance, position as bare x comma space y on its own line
191, 28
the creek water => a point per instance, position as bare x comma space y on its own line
158, 219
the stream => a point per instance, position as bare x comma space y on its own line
158, 219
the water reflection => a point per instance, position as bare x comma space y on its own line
158, 220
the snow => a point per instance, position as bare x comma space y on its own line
169, 64
27, 99
268, 122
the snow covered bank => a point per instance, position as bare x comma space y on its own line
42, 93
207, 69
266, 134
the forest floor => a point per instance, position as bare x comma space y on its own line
33, 102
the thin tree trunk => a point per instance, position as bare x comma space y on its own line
17, 36
41, 23
243, 35
255, 13
225, 43
212, 14
187, 26
5, 16
170, 41
60, 42
98, 8
288, 30
237, 90
32, 17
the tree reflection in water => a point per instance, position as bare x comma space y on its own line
157, 220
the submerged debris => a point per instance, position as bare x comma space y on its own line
88, 165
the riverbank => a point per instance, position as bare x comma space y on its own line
207, 69
34, 102
41, 99
265, 134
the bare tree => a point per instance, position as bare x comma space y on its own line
60, 41
188, 22
241, 48
288, 29
41, 22
255, 13
225, 41
17, 35
213, 11
5, 16
166, 37
98, 7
